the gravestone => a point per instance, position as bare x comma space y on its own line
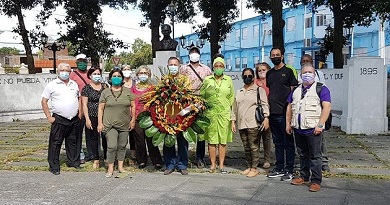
23, 69
365, 96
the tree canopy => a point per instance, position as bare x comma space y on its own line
9, 50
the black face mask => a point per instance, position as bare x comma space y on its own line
276, 60
248, 80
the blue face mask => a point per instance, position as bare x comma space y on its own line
143, 78
116, 81
96, 78
64, 75
173, 69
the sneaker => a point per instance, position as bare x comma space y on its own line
184, 172
314, 187
286, 177
200, 164
168, 171
274, 173
299, 181
325, 168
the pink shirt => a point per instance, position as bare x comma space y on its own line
78, 80
262, 84
202, 70
139, 107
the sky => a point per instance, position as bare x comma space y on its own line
123, 24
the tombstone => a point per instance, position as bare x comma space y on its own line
2, 70
365, 96
161, 61
23, 69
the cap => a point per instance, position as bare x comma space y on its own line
194, 48
81, 56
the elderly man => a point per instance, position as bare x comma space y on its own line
64, 95
80, 77
196, 72
308, 108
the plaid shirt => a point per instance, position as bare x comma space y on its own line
202, 70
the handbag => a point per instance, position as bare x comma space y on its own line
259, 114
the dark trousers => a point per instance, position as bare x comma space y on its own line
181, 160
140, 147
132, 141
61, 129
310, 158
104, 145
92, 136
284, 143
324, 152
200, 150
87, 140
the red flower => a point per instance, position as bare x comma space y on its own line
163, 89
174, 88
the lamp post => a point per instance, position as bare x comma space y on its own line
53, 47
172, 11
348, 30
199, 43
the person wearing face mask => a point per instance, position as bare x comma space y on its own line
65, 118
81, 78
129, 82
265, 135
244, 107
116, 117
280, 80
306, 114
90, 100
197, 72
218, 92
143, 86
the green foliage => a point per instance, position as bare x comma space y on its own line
9, 50
327, 42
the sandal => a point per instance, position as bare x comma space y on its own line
223, 171
108, 175
96, 165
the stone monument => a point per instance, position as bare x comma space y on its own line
23, 69
165, 48
2, 70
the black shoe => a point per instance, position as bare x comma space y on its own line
200, 164
184, 172
158, 167
325, 168
142, 165
275, 173
54, 171
168, 171
77, 167
82, 161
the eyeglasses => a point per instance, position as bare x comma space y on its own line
247, 76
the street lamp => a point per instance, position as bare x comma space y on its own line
172, 11
348, 30
53, 47
328, 30
199, 43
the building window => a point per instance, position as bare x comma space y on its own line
244, 33
265, 28
290, 23
228, 36
228, 64
290, 58
6, 60
244, 62
308, 22
323, 20
307, 42
256, 31
256, 60
238, 63
237, 35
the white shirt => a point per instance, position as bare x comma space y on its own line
319, 77
64, 97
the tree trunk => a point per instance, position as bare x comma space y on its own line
277, 24
214, 31
338, 37
154, 25
94, 55
26, 42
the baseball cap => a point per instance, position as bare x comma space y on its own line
81, 56
194, 48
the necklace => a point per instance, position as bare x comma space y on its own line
116, 97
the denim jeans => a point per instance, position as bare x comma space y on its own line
284, 143
180, 160
310, 157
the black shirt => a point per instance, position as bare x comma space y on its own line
93, 99
279, 83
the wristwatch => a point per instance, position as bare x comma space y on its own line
320, 126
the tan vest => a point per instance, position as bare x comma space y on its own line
309, 108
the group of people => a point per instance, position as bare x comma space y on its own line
79, 99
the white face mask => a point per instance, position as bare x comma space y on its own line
262, 74
143, 77
194, 57
126, 73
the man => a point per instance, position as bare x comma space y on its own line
64, 95
306, 114
280, 81
196, 72
167, 43
319, 77
171, 160
80, 77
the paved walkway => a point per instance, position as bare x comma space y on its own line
23, 146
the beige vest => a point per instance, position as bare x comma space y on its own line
309, 108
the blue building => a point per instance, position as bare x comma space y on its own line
250, 40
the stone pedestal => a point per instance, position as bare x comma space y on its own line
2, 70
365, 96
161, 61
23, 69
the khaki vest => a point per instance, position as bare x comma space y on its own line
309, 108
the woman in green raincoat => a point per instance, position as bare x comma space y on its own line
218, 92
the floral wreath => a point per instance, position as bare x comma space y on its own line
171, 108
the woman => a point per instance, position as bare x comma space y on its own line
115, 118
265, 135
218, 91
244, 108
143, 73
90, 98
129, 83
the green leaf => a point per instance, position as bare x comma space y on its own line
151, 131
169, 140
158, 138
142, 115
145, 122
198, 129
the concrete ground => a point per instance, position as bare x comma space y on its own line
360, 174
